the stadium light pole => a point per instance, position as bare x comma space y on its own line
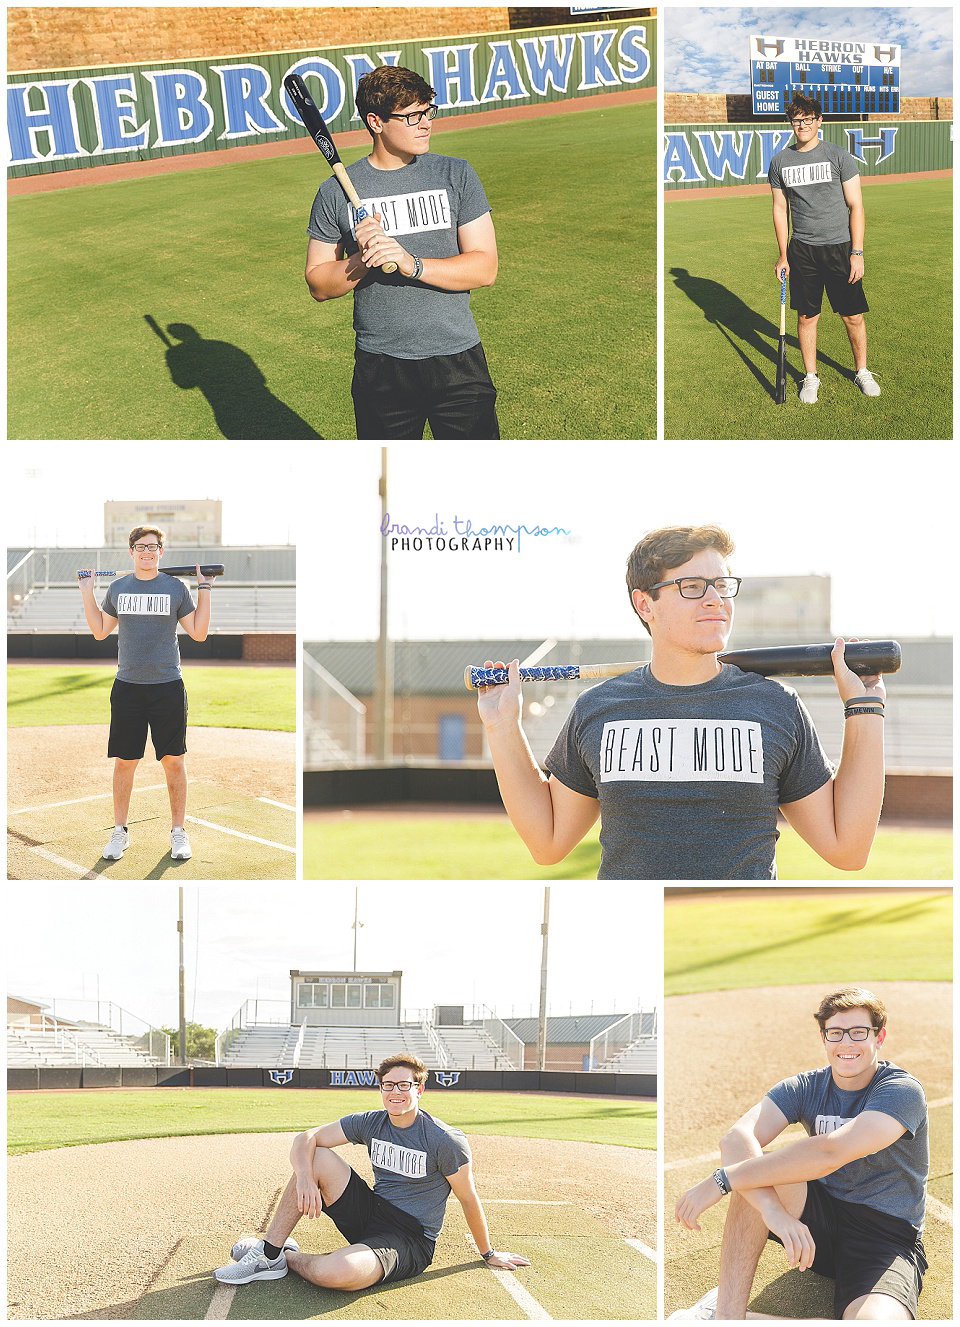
384, 679
182, 1038
542, 1022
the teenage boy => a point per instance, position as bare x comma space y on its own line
848, 1200
686, 760
391, 1229
148, 692
418, 352
816, 185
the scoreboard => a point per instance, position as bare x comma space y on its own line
846, 77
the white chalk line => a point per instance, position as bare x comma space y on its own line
282, 805
251, 838
532, 1202
83, 872
645, 1249
75, 801
219, 1309
518, 1293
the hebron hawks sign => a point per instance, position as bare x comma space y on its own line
128, 113
846, 77
733, 154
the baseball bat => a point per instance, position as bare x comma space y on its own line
863, 657
155, 327
782, 347
206, 569
306, 108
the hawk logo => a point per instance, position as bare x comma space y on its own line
281, 1076
447, 1077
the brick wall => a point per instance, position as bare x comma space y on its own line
736, 108
278, 647
63, 38
921, 797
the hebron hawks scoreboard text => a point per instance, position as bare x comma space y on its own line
846, 77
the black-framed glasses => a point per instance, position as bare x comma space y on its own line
805, 122
147, 548
855, 1034
695, 587
414, 117
396, 1087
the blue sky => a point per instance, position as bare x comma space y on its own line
705, 48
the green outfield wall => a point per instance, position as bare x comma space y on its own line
69, 119
699, 156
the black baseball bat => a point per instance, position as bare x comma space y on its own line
863, 657
314, 124
206, 569
155, 327
782, 348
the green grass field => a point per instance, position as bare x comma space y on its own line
221, 250
722, 944
488, 848
721, 322
37, 1121
225, 697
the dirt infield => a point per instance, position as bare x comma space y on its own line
714, 1072
65, 764
134, 1229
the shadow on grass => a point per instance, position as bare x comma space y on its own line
64, 688
737, 322
850, 920
235, 388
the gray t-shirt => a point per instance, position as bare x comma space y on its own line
813, 183
689, 778
421, 205
410, 1165
891, 1180
147, 613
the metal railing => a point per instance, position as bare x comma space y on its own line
505, 1039
334, 719
436, 1045
142, 1035
642, 1023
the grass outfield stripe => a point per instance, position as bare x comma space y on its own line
74, 801
251, 838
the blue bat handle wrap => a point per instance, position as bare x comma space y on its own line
498, 677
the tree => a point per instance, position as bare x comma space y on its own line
200, 1041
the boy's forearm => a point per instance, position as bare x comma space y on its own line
524, 788
334, 279
857, 225
476, 1220
858, 787
462, 271
809, 1159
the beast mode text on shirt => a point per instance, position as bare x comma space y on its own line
692, 750
143, 603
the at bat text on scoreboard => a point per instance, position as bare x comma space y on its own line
845, 77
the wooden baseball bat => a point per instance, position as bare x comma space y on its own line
206, 569
863, 657
314, 124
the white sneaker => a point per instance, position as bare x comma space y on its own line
867, 383
179, 844
705, 1309
808, 389
117, 844
253, 1266
248, 1242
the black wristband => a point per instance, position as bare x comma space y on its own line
490, 1253
862, 709
722, 1182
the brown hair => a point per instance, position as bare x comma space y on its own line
803, 106
851, 997
388, 88
416, 1067
139, 531
659, 550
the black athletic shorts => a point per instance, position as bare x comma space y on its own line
161, 706
866, 1252
396, 1237
818, 267
395, 398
